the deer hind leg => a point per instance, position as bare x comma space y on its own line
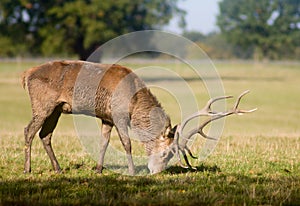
46, 134
29, 132
105, 137
124, 137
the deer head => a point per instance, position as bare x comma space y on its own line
158, 161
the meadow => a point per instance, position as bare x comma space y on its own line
256, 161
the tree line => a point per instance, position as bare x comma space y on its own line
249, 29
76, 27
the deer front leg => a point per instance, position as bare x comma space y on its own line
105, 137
124, 137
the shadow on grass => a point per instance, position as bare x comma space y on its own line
142, 170
201, 168
168, 188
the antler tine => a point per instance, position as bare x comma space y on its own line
206, 111
182, 150
241, 112
239, 99
213, 100
187, 160
221, 115
199, 129
177, 148
190, 152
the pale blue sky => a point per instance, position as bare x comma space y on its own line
201, 16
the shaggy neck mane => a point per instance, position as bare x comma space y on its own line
148, 119
144, 101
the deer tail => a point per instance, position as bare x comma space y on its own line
24, 78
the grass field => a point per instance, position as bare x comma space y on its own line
256, 162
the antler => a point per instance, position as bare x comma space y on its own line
206, 111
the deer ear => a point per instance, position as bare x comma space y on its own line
172, 132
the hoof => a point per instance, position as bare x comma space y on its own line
131, 172
58, 171
99, 169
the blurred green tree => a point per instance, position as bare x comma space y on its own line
194, 35
76, 26
270, 27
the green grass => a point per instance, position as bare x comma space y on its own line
256, 162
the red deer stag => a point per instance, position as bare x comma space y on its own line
119, 98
